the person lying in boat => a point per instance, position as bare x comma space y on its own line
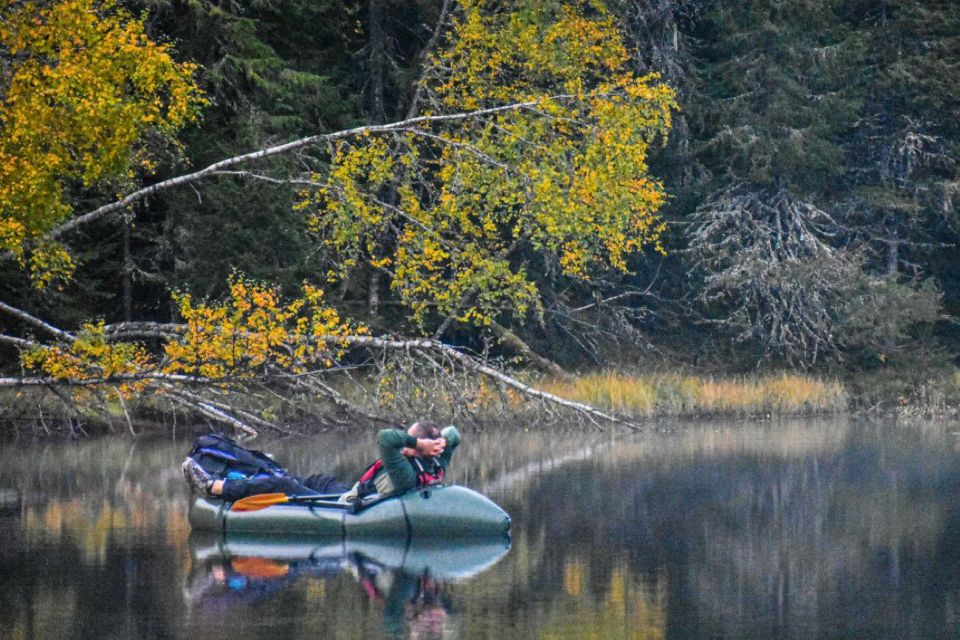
417, 457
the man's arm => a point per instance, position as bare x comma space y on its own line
390, 442
452, 436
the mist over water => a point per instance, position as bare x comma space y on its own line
824, 529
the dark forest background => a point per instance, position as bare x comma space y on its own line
812, 171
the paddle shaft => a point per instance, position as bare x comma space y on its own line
264, 500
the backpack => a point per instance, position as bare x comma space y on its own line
223, 458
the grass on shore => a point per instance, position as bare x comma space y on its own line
674, 394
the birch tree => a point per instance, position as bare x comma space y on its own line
84, 89
530, 143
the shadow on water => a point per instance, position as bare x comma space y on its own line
822, 529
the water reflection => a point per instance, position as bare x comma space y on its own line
821, 529
754, 534
405, 579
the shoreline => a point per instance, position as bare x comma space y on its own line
645, 400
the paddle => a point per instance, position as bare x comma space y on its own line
264, 500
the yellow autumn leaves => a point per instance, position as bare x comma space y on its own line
91, 356
251, 332
84, 86
254, 329
467, 217
501, 52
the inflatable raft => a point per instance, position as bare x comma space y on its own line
426, 512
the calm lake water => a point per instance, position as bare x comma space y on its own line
827, 529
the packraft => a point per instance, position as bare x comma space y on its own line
445, 512
225, 459
430, 510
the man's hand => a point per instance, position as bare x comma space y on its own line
427, 448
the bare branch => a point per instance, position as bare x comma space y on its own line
514, 342
427, 49
37, 322
213, 413
469, 148
127, 330
278, 181
472, 364
293, 145
126, 414
19, 343
619, 296
220, 412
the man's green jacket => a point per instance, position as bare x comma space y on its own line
398, 474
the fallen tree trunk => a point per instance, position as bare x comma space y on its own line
384, 343
513, 341
172, 386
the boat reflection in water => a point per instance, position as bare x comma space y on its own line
405, 577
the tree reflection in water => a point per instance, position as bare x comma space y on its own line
762, 532
828, 529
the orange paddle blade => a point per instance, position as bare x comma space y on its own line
259, 501
254, 567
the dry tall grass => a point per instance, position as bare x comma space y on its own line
674, 394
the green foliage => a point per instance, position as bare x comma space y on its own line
268, 70
274, 71
879, 317
904, 179
840, 112
773, 98
264, 65
841, 105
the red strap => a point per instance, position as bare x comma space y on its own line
424, 477
371, 471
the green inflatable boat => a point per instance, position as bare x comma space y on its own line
447, 511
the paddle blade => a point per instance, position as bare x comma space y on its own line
259, 501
